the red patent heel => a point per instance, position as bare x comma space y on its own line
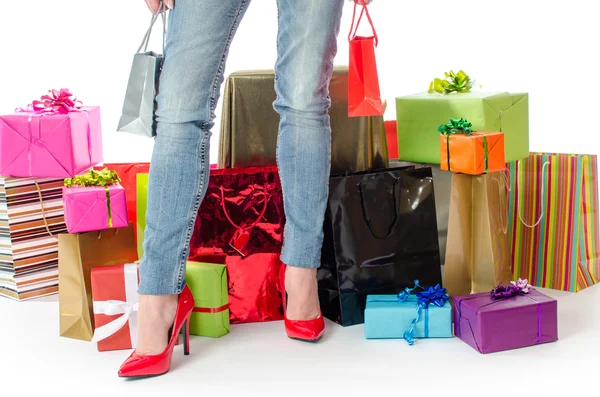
143, 366
303, 330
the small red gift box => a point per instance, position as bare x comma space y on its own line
114, 292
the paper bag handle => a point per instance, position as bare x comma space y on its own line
546, 164
161, 12
367, 218
354, 30
43, 210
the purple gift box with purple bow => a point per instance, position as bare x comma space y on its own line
507, 318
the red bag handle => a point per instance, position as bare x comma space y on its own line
364, 10
256, 222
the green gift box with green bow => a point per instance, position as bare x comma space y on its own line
419, 115
208, 283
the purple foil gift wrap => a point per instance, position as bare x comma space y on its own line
490, 325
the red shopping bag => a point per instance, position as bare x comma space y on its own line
364, 97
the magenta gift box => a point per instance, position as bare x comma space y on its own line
87, 208
50, 145
490, 325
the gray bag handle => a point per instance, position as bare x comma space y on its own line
161, 12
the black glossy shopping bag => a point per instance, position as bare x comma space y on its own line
380, 235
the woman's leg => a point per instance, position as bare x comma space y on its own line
306, 46
198, 41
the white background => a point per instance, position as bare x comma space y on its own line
548, 49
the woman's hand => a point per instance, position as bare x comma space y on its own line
154, 5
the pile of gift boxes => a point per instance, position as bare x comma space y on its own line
453, 183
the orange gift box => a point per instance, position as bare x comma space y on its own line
475, 154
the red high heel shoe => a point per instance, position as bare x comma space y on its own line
143, 366
304, 330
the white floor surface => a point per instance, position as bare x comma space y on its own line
257, 359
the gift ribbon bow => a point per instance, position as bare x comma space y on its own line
464, 127
55, 102
102, 178
452, 82
429, 296
519, 287
127, 310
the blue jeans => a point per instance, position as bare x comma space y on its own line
200, 32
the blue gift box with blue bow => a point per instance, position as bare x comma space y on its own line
427, 314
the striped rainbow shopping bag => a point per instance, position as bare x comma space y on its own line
553, 216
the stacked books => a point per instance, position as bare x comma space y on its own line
31, 217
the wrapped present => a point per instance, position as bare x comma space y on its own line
507, 318
553, 213
425, 315
53, 138
467, 152
380, 234
94, 201
419, 116
208, 283
78, 254
249, 126
31, 217
115, 306
391, 134
478, 244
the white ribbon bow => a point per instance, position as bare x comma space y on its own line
128, 309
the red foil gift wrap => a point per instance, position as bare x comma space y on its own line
254, 291
241, 220
241, 214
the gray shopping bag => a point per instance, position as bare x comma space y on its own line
139, 105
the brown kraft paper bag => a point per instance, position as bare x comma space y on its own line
478, 246
77, 255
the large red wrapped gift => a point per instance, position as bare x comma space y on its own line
114, 292
241, 218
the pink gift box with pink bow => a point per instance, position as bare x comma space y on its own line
52, 138
95, 208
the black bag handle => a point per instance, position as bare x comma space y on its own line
367, 218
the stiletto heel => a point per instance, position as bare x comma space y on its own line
304, 330
144, 366
186, 337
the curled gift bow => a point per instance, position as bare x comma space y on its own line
57, 101
456, 126
432, 295
452, 82
94, 178
519, 287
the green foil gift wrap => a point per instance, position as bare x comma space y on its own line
419, 115
208, 283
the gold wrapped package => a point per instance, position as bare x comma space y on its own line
249, 126
78, 254
478, 253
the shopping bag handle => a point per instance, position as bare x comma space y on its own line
367, 218
546, 164
162, 10
256, 222
354, 29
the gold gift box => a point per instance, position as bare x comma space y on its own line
249, 126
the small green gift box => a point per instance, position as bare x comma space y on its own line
419, 115
208, 283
